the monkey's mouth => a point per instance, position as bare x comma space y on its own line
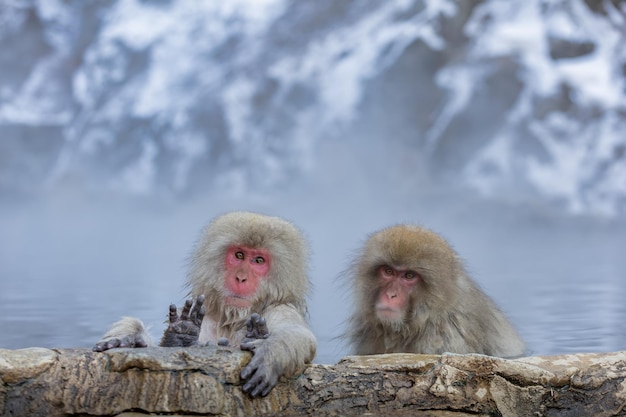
386, 313
237, 301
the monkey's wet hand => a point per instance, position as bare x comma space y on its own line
261, 374
184, 330
256, 328
129, 341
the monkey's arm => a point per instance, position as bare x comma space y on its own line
281, 343
128, 332
184, 330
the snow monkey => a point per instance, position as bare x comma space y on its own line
412, 294
248, 284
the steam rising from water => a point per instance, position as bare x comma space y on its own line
71, 267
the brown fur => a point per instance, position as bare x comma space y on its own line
447, 311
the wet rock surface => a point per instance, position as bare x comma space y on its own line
205, 381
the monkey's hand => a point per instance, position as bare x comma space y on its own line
184, 330
262, 372
128, 341
129, 332
256, 328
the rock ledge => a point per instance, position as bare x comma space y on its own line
205, 381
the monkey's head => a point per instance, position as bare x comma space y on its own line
404, 271
245, 261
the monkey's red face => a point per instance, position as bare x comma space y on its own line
245, 268
395, 287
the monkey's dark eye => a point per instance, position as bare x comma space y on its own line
387, 270
410, 275
259, 260
239, 255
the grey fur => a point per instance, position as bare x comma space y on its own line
281, 298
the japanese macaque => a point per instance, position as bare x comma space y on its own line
412, 295
248, 284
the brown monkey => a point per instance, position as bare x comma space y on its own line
412, 294
248, 282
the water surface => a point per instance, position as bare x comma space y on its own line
69, 268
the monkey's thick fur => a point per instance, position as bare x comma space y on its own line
446, 312
280, 298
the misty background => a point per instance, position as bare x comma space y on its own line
126, 125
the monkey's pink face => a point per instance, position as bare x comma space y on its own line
395, 287
245, 268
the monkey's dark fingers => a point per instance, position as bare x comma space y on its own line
113, 343
258, 386
107, 344
197, 320
131, 341
256, 327
252, 386
258, 381
249, 344
270, 381
184, 315
251, 367
101, 346
270, 384
173, 313
200, 299
251, 322
198, 311
261, 329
